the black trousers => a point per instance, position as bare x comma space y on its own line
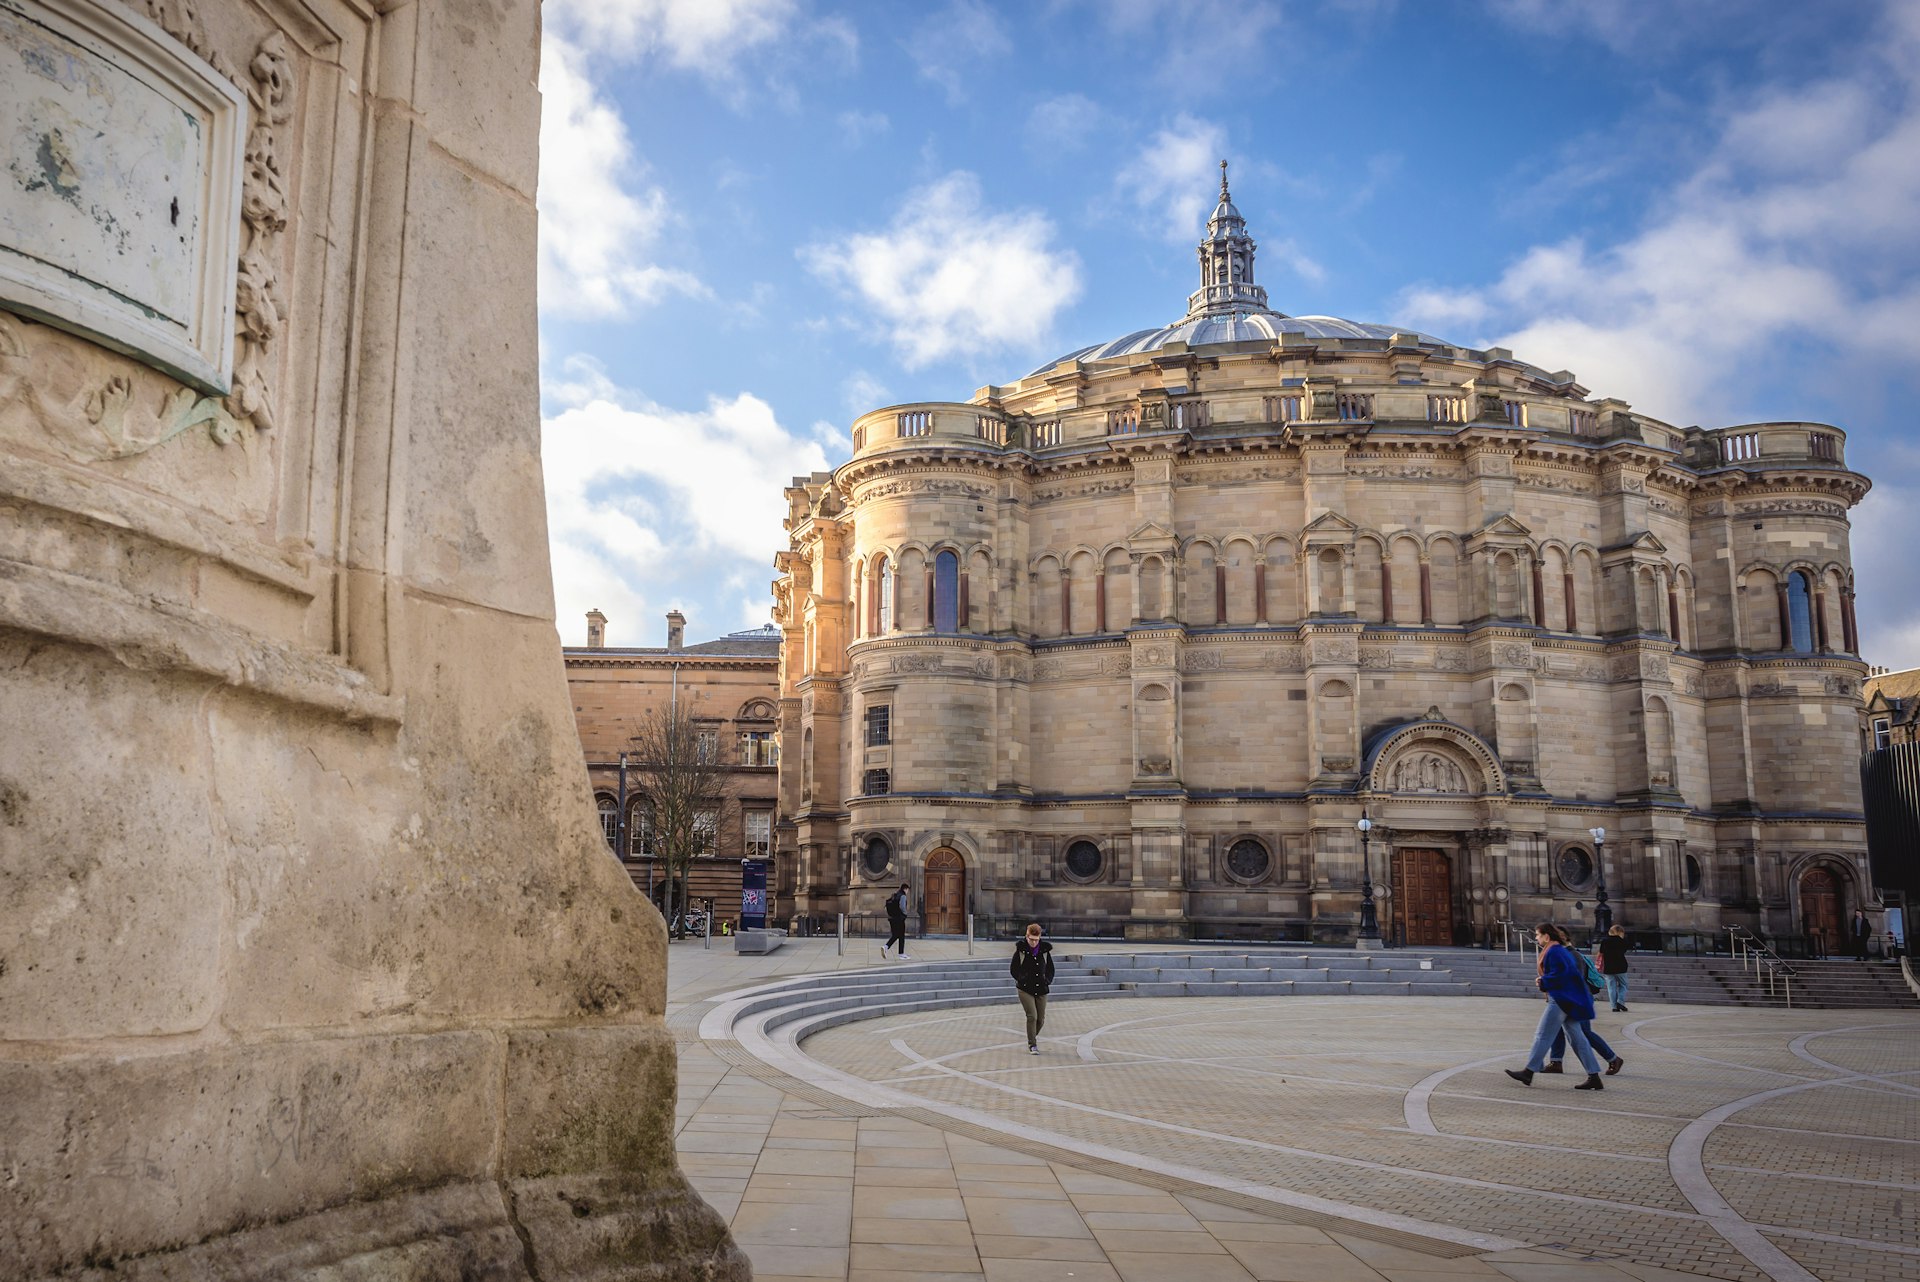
896, 934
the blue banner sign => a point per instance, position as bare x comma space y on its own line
753, 894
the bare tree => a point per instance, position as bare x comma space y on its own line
679, 775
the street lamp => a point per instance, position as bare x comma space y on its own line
1602, 913
1369, 919
620, 816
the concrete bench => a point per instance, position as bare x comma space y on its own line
758, 941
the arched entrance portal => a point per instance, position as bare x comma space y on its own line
944, 900
1821, 907
1423, 895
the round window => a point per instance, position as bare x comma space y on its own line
875, 856
1084, 860
1693, 875
1247, 860
1576, 867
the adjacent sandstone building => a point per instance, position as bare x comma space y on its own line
732, 686
1131, 643
312, 961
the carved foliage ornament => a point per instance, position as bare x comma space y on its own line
260, 299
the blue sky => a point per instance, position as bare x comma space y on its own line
760, 218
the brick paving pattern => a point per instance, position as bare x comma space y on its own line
1316, 1096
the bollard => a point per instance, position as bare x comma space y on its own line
840, 936
969, 934
706, 931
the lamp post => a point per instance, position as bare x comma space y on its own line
1602, 913
620, 818
1369, 919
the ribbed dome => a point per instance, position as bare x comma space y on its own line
1196, 331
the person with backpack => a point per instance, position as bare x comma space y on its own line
1569, 1004
897, 922
1596, 981
1032, 971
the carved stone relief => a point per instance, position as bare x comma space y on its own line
916, 663
1202, 661
1426, 772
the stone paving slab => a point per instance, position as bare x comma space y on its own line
1313, 1095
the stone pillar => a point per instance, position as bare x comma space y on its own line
315, 961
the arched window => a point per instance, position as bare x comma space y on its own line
885, 598
1800, 611
609, 817
946, 593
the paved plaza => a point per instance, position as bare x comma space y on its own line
1296, 1139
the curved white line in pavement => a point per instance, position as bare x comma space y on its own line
1419, 1118
1337, 1159
1687, 1165
1799, 1047
1633, 1034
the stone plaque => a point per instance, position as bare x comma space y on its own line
120, 198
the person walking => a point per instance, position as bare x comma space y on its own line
1611, 953
1032, 971
1599, 1044
1569, 1004
1859, 931
897, 922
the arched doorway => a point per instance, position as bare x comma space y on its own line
1822, 909
1423, 896
943, 902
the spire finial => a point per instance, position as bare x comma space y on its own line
1223, 180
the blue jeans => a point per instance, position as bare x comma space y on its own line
1594, 1039
1616, 989
1553, 1020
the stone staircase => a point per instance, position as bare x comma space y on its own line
822, 1001
1278, 975
1700, 981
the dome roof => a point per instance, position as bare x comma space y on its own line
1229, 307
1240, 327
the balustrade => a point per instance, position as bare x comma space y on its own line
915, 422
1446, 409
1124, 421
1354, 406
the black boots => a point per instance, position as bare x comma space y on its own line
1593, 1083
1524, 1076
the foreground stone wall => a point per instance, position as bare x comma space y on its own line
312, 961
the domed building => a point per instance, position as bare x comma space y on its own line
1132, 644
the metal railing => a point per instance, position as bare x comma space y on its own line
1753, 954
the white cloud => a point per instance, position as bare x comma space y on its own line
950, 278
950, 46
706, 36
1178, 43
1175, 178
649, 507
596, 230
863, 392
859, 127
1063, 122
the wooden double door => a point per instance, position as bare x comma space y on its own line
1423, 896
943, 899
1823, 909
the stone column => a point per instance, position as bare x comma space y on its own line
315, 961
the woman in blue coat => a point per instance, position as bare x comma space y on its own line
1569, 1007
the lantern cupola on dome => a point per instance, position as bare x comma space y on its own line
1226, 263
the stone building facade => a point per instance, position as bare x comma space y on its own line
732, 685
1131, 643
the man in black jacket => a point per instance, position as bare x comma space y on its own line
897, 922
1032, 971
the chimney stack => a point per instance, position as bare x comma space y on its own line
596, 630
676, 630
